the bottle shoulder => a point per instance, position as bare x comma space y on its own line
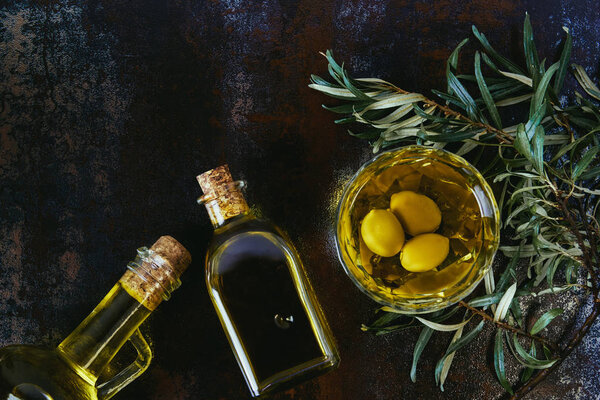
243, 225
246, 249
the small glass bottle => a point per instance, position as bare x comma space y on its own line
71, 371
256, 281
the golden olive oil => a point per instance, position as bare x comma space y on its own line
266, 307
69, 372
34, 373
469, 221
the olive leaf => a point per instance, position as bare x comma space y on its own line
499, 362
505, 301
424, 337
545, 319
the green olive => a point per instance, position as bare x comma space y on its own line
382, 233
424, 252
417, 213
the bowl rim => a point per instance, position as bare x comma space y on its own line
454, 299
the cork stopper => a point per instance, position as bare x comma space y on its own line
173, 253
222, 196
155, 273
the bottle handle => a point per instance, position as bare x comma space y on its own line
108, 389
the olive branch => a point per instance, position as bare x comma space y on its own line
545, 170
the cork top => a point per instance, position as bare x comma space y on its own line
155, 272
222, 195
173, 253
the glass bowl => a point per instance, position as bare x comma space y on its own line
470, 220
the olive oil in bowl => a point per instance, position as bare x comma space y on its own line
469, 220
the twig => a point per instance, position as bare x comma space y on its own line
563, 120
509, 327
587, 260
502, 136
590, 232
575, 340
580, 333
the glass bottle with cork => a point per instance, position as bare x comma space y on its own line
260, 291
72, 370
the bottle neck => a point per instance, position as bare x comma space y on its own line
225, 204
93, 344
218, 217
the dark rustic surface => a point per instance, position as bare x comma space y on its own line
109, 109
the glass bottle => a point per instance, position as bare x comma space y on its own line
257, 284
71, 371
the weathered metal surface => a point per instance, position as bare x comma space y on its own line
110, 108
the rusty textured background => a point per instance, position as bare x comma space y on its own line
109, 109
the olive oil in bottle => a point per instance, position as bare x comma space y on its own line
71, 371
266, 305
